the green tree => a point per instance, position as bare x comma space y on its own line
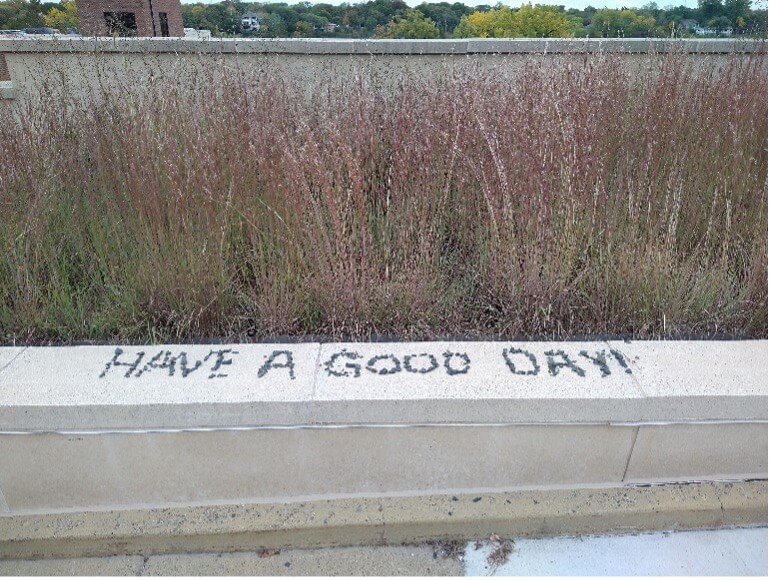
544, 22
288, 14
17, 14
720, 23
222, 19
495, 23
192, 15
63, 19
735, 9
588, 15
303, 29
327, 11
366, 17
411, 25
709, 9
609, 23
756, 23
526, 22
275, 26
465, 29
446, 16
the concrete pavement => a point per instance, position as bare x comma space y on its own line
737, 552
728, 552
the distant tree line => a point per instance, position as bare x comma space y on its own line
394, 19
21, 14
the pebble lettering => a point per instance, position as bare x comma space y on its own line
165, 360
351, 364
342, 364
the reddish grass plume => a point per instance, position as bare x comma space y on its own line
598, 195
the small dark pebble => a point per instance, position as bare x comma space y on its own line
450, 513
288, 564
476, 499
454, 498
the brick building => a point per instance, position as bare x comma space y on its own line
130, 17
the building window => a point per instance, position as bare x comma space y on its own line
5, 75
120, 23
163, 23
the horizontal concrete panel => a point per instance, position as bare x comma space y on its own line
376, 46
44, 472
700, 380
407, 47
90, 388
349, 561
594, 45
485, 382
699, 452
109, 566
393, 519
153, 416
168, 386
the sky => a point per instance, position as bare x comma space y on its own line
580, 4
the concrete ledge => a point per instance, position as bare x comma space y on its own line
261, 385
343, 46
105, 427
384, 520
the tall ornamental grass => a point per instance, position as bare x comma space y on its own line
577, 198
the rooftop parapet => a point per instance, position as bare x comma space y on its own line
381, 46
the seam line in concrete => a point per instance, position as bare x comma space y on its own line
10, 362
316, 370
142, 569
375, 426
406, 495
630, 454
634, 379
4, 507
737, 552
648, 484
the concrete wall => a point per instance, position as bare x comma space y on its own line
86, 65
100, 427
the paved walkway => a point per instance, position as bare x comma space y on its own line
739, 552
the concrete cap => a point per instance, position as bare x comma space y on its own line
248, 385
172, 386
480, 382
343, 46
700, 380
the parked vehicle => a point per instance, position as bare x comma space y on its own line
40, 30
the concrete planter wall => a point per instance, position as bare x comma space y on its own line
104, 427
87, 65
